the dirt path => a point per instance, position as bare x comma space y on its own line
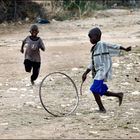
67, 50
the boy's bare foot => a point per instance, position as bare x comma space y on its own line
32, 82
102, 110
120, 98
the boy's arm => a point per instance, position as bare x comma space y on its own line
114, 46
84, 76
41, 45
114, 49
22, 46
125, 49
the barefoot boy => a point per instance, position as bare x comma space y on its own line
33, 44
101, 66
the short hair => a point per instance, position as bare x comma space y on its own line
34, 27
95, 31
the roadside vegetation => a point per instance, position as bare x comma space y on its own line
30, 10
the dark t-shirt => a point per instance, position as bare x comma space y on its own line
33, 48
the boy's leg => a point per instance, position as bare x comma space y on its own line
118, 95
36, 68
99, 102
28, 65
98, 89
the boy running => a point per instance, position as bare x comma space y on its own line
101, 67
33, 44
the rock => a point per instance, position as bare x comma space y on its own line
128, 123
104, 117
125, 83
22, 95
104, 129
29, 122
19, 22
14, 89
53, 20
93, 132
115, 65
129, 113
132, 109
138, 22
74, 69
135, 93
38, 82
4, 25
38, 107
28, 85
114, 5
78, 114
135, 129
91, 126
137, 79
31, 91
63, 105
129, 65
30, 104
23, 89
27, 19
3, 124
111, 98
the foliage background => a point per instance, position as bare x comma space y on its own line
14, 10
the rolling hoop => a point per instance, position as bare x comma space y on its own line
58, 94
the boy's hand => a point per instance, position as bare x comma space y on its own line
128, 49
84, 76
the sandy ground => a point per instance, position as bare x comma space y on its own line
68, 51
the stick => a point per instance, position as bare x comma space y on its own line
81, 87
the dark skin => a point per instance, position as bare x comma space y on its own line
33, 37
94, 38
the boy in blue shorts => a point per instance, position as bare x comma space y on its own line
101, 66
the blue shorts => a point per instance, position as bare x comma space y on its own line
98, 87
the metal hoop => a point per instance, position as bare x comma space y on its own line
77, 97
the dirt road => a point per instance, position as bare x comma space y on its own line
68, 50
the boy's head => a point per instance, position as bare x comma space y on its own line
95, 35
34, 30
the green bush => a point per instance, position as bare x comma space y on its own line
14, 10
79, 8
